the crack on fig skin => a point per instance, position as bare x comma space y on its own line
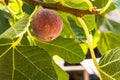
47, 25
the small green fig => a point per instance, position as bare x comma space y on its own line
46, 24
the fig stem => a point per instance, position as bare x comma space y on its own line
31, 37
35, 10
59, 6
90, 44
28, 31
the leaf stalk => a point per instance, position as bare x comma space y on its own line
106, 7
20, 7
89, 44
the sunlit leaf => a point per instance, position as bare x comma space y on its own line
68, 49
2, 7
14, 6
17, 29
109, 65
78, 4
90, 21
110, 8
100, 3
62, 75
108, 41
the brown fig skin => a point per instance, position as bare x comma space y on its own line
47, 25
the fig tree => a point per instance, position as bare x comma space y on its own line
46, 24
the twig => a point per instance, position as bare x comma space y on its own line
59, 6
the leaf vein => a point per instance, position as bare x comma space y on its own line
114, 52
116, 74
107, 74
109, 63
64, 49
5, 52
34, 65
23, 74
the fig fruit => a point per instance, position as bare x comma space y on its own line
46, 24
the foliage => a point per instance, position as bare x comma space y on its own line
109, 65
24, 57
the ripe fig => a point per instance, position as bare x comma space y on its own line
46, 24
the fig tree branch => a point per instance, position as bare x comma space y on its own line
59, 6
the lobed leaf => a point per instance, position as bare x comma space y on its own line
26, 63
